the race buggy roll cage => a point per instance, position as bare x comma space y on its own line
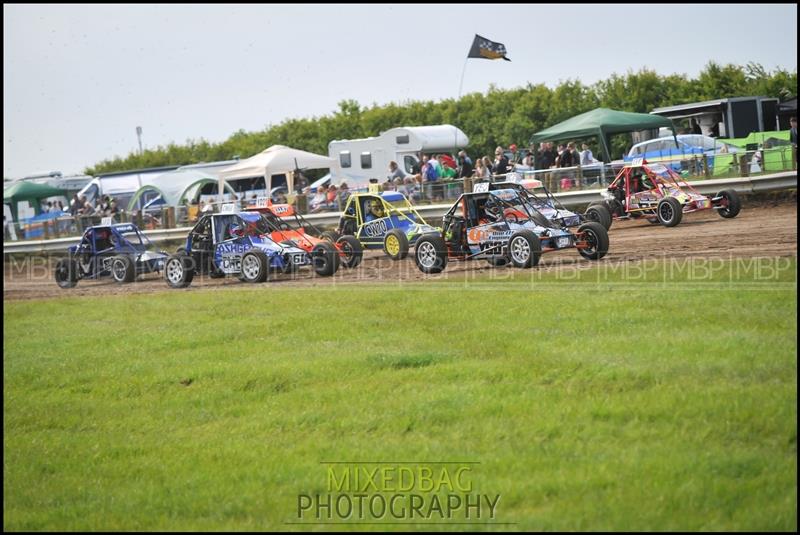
530, 214
654, 173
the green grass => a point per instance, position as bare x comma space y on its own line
661, 406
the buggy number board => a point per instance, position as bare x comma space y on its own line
375, 228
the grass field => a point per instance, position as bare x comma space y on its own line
588, 406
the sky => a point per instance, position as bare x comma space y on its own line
79, 79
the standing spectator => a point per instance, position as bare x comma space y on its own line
465, 168
500, 166
586, 156
695, 126
793, 133
344, 192
75, 206
514, 155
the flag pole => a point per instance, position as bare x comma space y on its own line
460, 87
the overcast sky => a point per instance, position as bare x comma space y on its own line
77, 80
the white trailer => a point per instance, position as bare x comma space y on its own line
359, 160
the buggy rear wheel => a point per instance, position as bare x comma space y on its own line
599, 212
123, 269
669, 211
430, 254
597, 238
395, 244
731, 205
179, 271
524, 249
325, 259
352, 251
66, 273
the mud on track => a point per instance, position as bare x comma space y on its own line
759, 231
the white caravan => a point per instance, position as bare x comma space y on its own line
359, 160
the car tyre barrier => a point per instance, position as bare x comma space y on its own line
325, 259
395, 244
597, 237
123, 269
732, 206
66, 273
600, 213
524, 249
179, 270
669, 211
430, 254
352, 251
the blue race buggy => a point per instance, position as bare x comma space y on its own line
238, 243
384, 220
118, 251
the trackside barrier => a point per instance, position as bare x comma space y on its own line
745, 185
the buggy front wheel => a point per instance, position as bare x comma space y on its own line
179, 271
122, 269
730, 205
430, 254
596, 238
66, 273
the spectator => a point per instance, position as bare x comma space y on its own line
105, 206
395, 172
793, 131
514, 154
87, 207
344, 192
437, 165
75, 206
317, 203
586, 156
500, 166
113, 209
61, 207
465, 168
695, 126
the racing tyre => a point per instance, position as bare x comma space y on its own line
395, 244
732, 205
498, 261
255, 266
597, 238
430, 254
180, 250
330, 235
325, 259
179, 271
599, 213
615, 208
524, 249
66, 273
352, 251
669, 211
123, 269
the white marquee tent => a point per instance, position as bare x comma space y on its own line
275, 160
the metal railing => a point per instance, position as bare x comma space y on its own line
441, 191
433, 212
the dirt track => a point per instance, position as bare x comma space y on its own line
759, 231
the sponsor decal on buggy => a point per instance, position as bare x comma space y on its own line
374, 229
229, 256
483, 234
124, 228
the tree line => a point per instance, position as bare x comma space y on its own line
498, 117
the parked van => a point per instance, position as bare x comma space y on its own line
358, 160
